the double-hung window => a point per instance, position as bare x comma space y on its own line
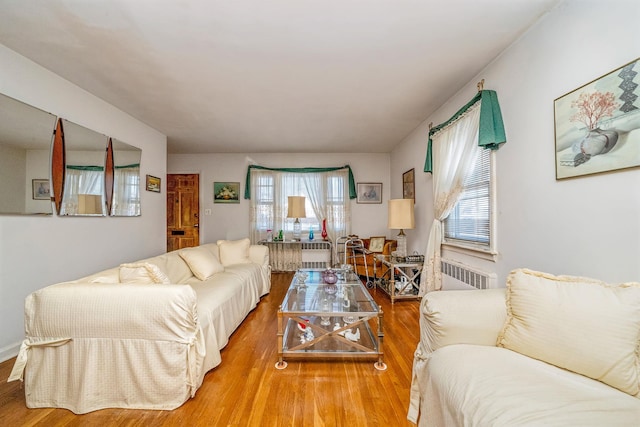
470, 223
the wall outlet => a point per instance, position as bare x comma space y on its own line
207, 211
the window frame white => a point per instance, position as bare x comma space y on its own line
484, 251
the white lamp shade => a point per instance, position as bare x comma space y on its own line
296, 207
401, 214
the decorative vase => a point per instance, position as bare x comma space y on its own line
331, 289
329, 276
324, 233
597, 141
311, 234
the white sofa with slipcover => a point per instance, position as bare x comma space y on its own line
141, 335
546, 351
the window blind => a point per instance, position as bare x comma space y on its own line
469, 221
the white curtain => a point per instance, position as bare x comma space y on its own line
126, 191
454, 149
81, 181
326, 193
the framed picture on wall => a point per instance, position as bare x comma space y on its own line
597, 126
41, 189
369, 192
408, 184
226, 192
153, 183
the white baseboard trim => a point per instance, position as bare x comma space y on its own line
9, 351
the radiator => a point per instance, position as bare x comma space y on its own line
456, 275
316, 254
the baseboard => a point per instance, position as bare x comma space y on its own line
9, 351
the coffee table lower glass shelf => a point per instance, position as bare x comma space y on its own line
319, 320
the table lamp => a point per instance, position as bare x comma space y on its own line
296, 210
401, 217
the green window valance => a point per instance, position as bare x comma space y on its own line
100, 168
85, 168
131, 166
491, 132
352, 184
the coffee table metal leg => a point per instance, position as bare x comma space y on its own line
280, 364
380, 365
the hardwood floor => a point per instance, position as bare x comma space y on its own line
246, 389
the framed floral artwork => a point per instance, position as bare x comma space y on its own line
226, 192
597, 126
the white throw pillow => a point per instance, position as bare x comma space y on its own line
234, 251
582, 325
201, 261
142, 273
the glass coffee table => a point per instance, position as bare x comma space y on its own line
323, 320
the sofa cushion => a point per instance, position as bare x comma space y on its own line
142, 273
201, 261
583, 325
477, 385
172, 265
234, 251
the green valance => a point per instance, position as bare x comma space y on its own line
352, 184
131, 166
85, 168
491, 132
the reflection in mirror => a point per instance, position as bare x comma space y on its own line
25, 147
84, 173
126, 179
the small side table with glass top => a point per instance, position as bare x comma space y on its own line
408, 273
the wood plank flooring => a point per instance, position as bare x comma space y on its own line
246, 389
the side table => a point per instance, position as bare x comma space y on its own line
409, 273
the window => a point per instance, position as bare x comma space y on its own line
469, 223
126, 191
326, 196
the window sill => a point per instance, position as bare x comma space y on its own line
471, 250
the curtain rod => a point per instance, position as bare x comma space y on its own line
480, 86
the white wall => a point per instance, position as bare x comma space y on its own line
231, 221
586, 226
13, 189
38, 251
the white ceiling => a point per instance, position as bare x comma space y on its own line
270, 76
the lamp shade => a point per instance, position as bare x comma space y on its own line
401, 214
296, 207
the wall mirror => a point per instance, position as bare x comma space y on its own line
125, 200
25, 149
84, 177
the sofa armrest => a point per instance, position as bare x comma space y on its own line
106, 310
389, 246
259, 254
461, 317
59, 315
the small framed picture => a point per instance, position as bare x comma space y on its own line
226, 192
409, 184
153, 183
41, 189
369, 192
376, 244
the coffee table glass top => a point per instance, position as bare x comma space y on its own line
314, 296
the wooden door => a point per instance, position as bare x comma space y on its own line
183, 207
